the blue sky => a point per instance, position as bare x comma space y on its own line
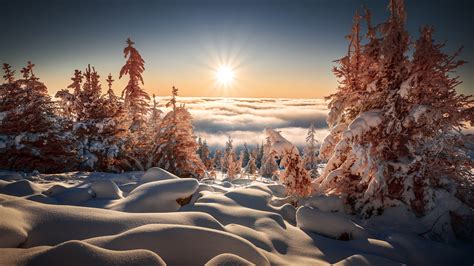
278, 48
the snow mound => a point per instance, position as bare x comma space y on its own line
171, 239
74, 195
82, 254
366, 260
329, 224
54, 190
12, 230
106, 189
21, 188
156, 174
249, 223
227, 259
157, 196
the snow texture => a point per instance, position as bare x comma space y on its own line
178, 221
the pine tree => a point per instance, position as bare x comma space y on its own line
175, 145
205, 156
9, 73
199, 150
33, 135
259, 156
246, 155
233, 165
295, 177
136, 99
394, 121
269, 166
311, 152
217, 159
251, 167
228, 151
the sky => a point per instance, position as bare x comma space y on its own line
278, 48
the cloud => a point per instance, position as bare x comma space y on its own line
245, 119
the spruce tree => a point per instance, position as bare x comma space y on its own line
135, 98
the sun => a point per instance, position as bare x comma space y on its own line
224, 75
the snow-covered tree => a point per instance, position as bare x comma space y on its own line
311, 152
9, 73
394, 120
259, 155
32, 135
175, 145
136, 99
233, 165
205, 152
246, 155
269, 166
251, 167
217, 159
98, 128
295, 177
228, 151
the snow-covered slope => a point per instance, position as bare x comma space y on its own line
159, 218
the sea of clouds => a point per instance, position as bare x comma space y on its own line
244, 119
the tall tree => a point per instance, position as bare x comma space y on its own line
136, 99
389, 144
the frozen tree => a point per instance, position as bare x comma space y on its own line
217, 159
99, 127
233, 165
240, 161
251, 167
246, 155
136, 99
32, 135
311, 152
295, 177
199, 150
175, 145
259, 156
9, 73
205, 152
394, 120
269, 166
228, 151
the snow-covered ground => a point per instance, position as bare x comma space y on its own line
154, 218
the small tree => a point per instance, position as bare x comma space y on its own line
175, 145
269, 166
295, 177
9, 73
251, 167
311, 152
233, 165
217, 159
246, 155
205, 152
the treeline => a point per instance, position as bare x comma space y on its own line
86, 129
91, 130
